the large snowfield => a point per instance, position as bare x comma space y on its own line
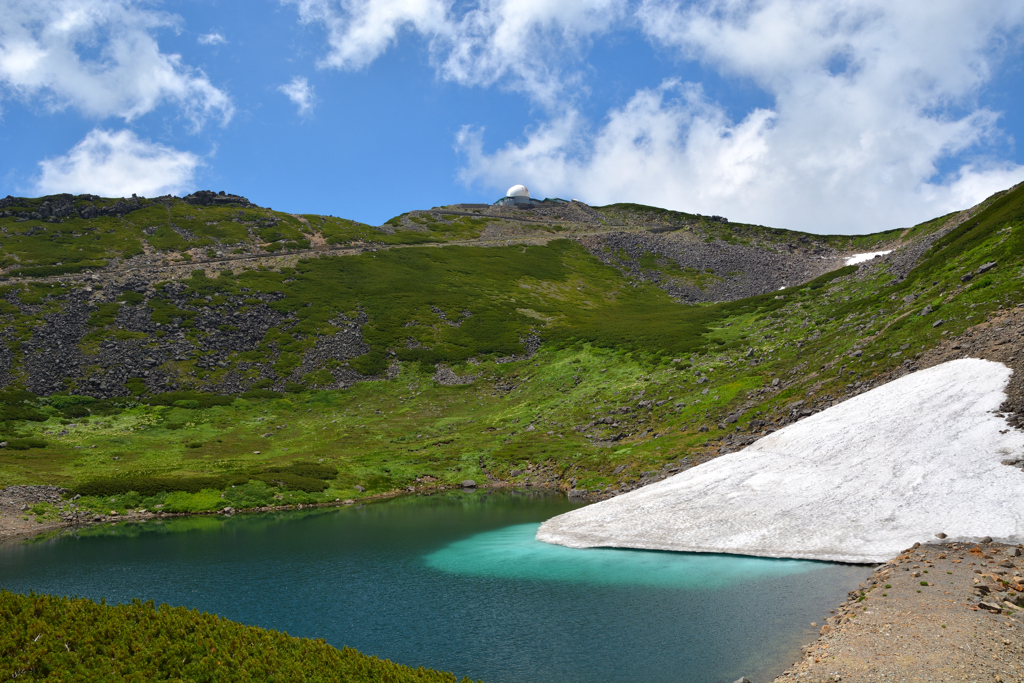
857, 482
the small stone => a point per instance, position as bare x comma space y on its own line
469, 484
347, 501
742, 679
940, 535
987, 539
359, 488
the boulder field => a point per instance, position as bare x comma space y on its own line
928, 456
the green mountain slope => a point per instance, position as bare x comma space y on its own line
568, 360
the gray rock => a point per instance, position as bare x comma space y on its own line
469, 484
359, 488
986, 539
985, 267
926, 310
742, 679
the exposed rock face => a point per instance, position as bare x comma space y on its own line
854, 483
54, 357
700, 271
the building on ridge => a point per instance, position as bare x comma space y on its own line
519, 197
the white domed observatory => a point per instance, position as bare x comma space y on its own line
519, 197
518, 194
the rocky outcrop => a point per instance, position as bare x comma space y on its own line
209, 198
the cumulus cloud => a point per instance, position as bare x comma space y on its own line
101, 57
531, 46
870, 100
300, 92
212, 39
118, 164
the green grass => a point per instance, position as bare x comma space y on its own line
74, 639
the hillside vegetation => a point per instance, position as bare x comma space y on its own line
558, 361
73, 639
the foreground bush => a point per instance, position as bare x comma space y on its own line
62, 639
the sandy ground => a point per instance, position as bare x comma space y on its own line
896, 628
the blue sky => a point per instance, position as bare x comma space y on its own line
820, 115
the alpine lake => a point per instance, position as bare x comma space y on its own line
456, 581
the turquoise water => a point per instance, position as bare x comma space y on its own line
457, 582
514, 553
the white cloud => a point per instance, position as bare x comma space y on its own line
118, 164
300, 92
359, 31
532, 46
212, 39
101, 57
870, 100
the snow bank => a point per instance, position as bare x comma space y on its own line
855, 483
861, 258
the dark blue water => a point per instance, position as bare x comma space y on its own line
458, 583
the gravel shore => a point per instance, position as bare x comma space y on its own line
952, 612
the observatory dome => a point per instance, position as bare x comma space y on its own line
518, 191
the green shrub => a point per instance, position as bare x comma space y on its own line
287, 480
203, 400
194, 444
294, 387
25, 444
261, 393
61, 401
189, 403
75, 411
146, 485
136, 385
74, 639
49, 271
8, 413
131, 298
318, 378
251, 494
200, 501
312, 470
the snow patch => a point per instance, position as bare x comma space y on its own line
857, 482
861, 258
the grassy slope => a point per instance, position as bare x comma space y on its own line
175, 230
61, 639
608, 345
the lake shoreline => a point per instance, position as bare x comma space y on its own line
14, 527
868, 636
919, 617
